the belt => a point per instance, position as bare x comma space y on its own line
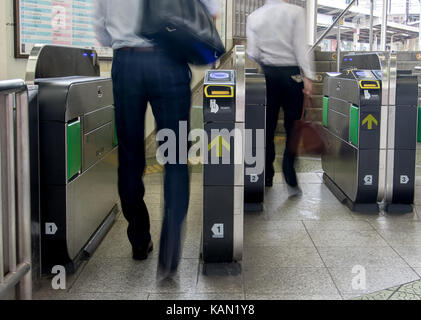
140, 49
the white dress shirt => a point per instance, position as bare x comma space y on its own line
276, 36
116, 21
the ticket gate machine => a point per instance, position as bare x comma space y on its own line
255, 124
78, 153
351, 116
387, 126
223, 175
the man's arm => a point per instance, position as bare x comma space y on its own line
252, 46
101, 32
304, 59
212, 6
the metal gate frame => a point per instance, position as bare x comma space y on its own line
15, 210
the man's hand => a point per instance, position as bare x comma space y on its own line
308, 87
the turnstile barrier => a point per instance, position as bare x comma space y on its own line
78, 153
255, 123
390, 128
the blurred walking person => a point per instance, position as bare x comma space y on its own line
276, 39
141, 73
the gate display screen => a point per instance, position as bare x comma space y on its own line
220, 77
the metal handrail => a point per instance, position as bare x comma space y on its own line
323, 36
15, 212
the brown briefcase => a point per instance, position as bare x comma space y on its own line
308, 137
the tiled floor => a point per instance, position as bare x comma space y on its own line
304, 248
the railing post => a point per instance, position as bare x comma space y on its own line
371, 24
338, 47
15, 211
311, 9
384, 26
9, 177
338, 19
23, 191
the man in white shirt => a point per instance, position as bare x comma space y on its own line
142, 73
276, 39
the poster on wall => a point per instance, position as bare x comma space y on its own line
56, 22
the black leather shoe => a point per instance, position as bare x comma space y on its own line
142, 254
269, 183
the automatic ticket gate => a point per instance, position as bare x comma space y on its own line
255, 124
223, 175
78, 153
233, 100
370, 116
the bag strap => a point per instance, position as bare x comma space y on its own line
306, 105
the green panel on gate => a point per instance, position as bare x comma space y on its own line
419, 125
354, 124
325, 119
74, 149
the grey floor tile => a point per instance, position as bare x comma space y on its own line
276, 194
156, 211
94, 296
351, 225
153, 179
153, 199
115, 296
252, 296
195, 213
418, 271
116, 243
309, 178
154, 189
303, 178
184, 282
377, 278
395, 238
263, 236
347, 238
384, 216
364, 256
282, 257
368, 216
266, 226
110, 275
302, 281
417, 199
411, 254
219, 284
251, 218
308, 210
197, 296
397, 226
318, 192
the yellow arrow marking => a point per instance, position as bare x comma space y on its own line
218, 142
369, 120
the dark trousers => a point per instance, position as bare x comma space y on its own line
139, 78
282, 91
